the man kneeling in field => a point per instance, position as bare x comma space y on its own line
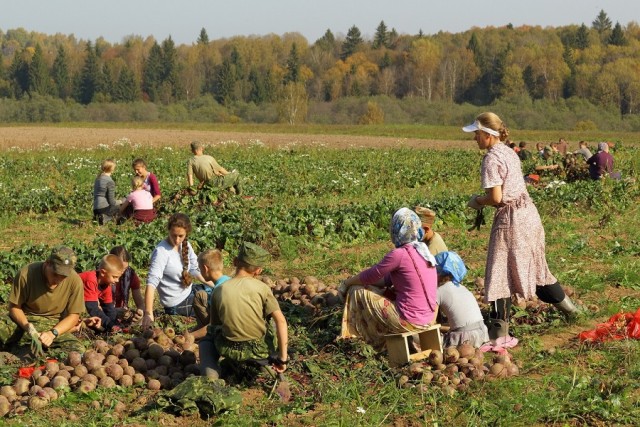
46, 301
241, 310
210, 174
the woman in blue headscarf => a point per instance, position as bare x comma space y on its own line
458, 304
407, 272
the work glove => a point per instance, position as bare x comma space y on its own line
473, 202
36, 344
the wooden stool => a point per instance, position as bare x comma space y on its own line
398, 347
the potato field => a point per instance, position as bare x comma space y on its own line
321, 206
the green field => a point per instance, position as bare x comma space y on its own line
324, 212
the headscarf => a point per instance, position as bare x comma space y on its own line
406, 229
603, 146
450, 263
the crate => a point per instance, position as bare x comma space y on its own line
398, 346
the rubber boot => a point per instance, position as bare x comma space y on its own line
567, 308
497, 328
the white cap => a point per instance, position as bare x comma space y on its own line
477, 126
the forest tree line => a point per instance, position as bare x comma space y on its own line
286, 75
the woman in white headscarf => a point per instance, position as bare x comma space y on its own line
399, 293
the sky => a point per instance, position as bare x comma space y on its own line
182, 20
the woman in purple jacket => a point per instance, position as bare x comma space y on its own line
399, 293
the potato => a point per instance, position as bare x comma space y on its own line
466, 350
126, 381
139, 364
187, 358
5, 406
59, 382
100, 372
115, 371
111, 359
43, 381
139, 379
117, 350
107, 382
165, 381
90, 378
435, 358
8, 392
165, 360
128, 370
154, 385
80, 371
51, 393
74, 358
21, 386
132, 354
123, 362
155, 351
451, 355
36, 402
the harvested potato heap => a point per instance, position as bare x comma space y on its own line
160, 359
455, 368
310, 293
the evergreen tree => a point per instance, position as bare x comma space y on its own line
293, 66
327, 42
582, 37
381, 37
170, 69
89, 77
39, 79
126, 88
617, 36
352, 43
257, 89
60, 74
385, 61
238, 64
602, 23
152, 73
203, 38
420, 34
392, 39
225, 82
19, 73
106, 84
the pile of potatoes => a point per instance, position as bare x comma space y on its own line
455, 368
159, 359
309, 293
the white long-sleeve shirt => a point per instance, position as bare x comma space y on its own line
165, 273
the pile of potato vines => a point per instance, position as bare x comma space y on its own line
455, 368
159, 359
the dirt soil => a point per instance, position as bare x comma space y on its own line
32, 137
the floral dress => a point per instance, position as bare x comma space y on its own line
516, 261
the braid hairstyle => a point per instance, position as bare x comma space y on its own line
181, 220
187, 279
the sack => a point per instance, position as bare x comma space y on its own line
619, 327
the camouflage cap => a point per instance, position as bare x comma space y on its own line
253, 255
426, 215
195, 145
63, 260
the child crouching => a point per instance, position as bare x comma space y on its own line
458, 303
